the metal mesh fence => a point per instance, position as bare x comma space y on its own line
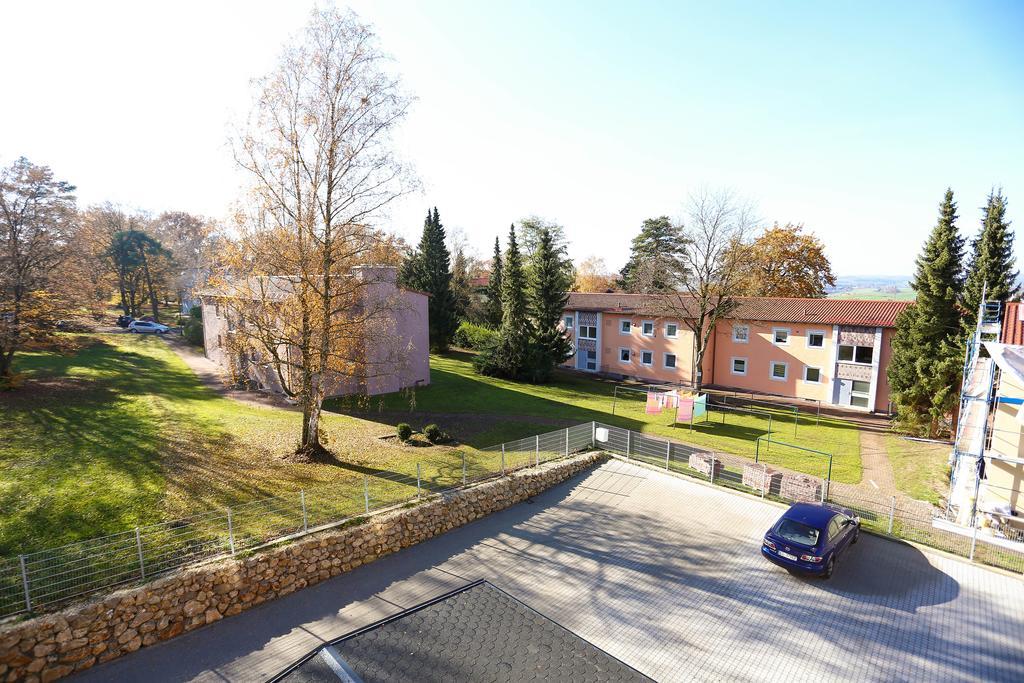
919, 523
48, 578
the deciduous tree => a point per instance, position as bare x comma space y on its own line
318, 149
711, 268
785, 261
36, 215
592, 275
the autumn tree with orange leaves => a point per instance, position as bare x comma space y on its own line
317, 148
786, 261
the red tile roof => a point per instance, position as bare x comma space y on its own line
1013, 324
870, 313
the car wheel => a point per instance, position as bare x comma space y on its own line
133, 331
829, 568
856, 537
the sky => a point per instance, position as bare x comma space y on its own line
850, 118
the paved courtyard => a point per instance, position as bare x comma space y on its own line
663, 573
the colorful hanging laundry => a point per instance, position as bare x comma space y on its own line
654, 403
700, 406
685, 411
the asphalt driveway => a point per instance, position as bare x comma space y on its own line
662, 572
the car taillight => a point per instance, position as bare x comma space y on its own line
810, 558
769, 544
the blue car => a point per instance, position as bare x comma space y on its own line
809, 537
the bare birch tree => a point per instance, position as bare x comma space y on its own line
715, 223
318, 149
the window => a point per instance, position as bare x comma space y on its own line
815, 339
739, 366
568, 322
741, 333
812, 375
780, 370
834, 527
591, 360
860, 393
625, 327
624, 355
588, 332
647, 328
780, 336
647, 358
856, 354
671, 330
670, 360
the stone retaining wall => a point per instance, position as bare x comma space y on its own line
52, 646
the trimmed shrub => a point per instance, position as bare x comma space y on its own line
192, 328
472, 336
433, 433
404, 431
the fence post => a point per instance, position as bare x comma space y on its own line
231, 533
668, 453
463, 469
24, 583
712, 469
567, 442
892, 513
417, 480
366, 492
764, 479
974, 540
629, 438
593, 434
503, 460
138, 547
536, 451
305, 518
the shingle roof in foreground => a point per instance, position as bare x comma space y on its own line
872, 313
477, 633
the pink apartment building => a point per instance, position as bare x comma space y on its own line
832, 350
403, 362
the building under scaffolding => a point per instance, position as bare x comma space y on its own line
988, 449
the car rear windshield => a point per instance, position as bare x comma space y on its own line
797, 532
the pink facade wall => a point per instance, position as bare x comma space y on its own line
885, 353
760, 352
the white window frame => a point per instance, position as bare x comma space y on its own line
771, 369
732, 365
581, 328
628, 351
625, 322
646, 365
808, 339
672, 336
808, 381
775, 332
568, 321
643, 326
853, 360
737, 339
664, 361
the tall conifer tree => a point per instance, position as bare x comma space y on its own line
656, 261
429, 269
493, 308
992, 266
549, 294
927, 356
511, 355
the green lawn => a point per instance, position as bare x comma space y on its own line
920, 468
120, 433
456, 391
